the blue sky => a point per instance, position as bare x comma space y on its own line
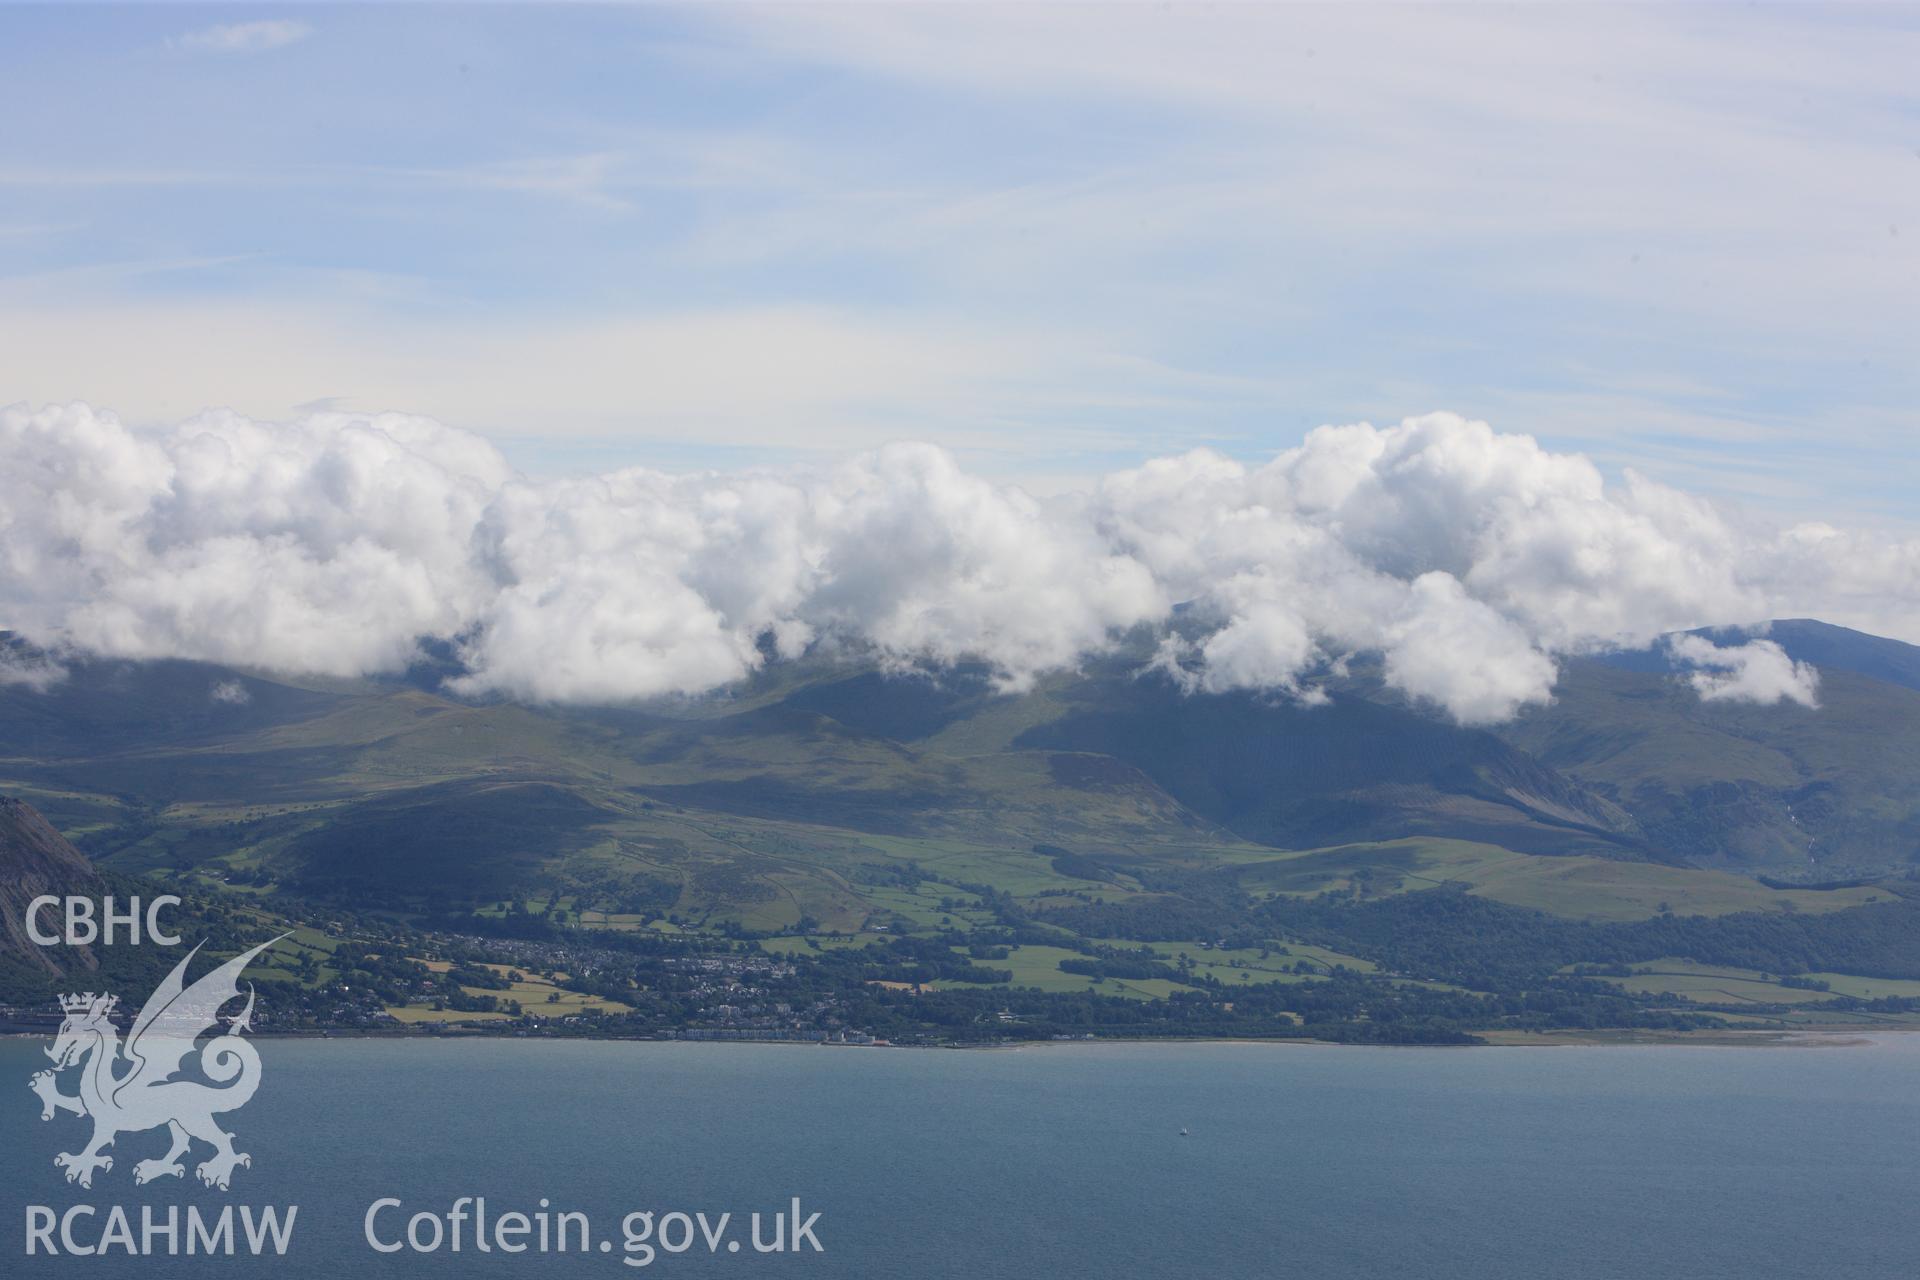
1055, 240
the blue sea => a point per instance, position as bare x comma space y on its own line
1309, 1161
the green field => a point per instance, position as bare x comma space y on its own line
1038, 967
1243, 966
411, 1014
1707, 984
1579, 887
1719, 984
540, 996
1869, 988
816, 943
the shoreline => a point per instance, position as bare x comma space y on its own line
1813, 1037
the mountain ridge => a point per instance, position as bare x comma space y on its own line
805, 791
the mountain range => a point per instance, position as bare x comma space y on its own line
802, 795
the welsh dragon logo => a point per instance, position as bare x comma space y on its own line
131, 1087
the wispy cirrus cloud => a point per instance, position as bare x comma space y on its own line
1674, 239
244, 37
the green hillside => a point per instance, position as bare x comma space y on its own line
785, 799
1100, 810
1799, 793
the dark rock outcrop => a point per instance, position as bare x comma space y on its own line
34, 860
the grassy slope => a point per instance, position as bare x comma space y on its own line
767, 810
400, 768
764, 817
1825, 793
1579, 888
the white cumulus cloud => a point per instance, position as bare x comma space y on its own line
230, 692
1470, 560
1468, 557
33, 670
1757, 671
